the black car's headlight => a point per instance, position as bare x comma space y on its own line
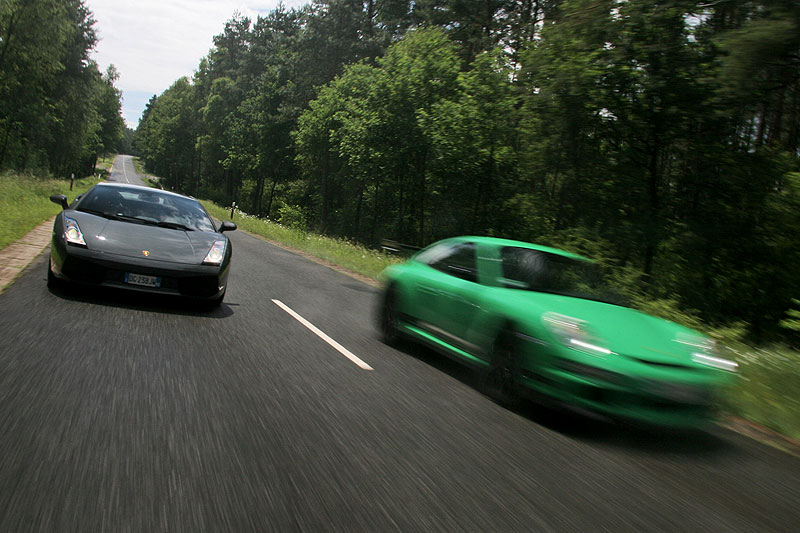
216, 254
575, 334
73, 233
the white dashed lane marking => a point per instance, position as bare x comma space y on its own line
319, 333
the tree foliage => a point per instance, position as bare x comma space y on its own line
57, 110
661, 138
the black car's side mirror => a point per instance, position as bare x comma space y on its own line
60, 199
227, 226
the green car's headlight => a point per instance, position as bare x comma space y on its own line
72, 232
704, 352
575, 334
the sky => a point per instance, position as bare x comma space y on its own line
152, 43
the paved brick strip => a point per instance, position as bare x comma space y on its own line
15, 257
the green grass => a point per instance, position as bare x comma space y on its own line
345, 254
138, 165
25, 202
151, 181
104, 163
768, 388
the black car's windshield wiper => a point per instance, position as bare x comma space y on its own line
137, 220
154, 222
173, 225
110, 216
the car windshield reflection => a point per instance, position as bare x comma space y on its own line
146, 206
539, 271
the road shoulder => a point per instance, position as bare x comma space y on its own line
15, 257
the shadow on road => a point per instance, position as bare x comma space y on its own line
590, 428
142, 301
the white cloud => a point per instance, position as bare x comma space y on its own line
154, 42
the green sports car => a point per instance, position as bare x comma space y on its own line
536, 321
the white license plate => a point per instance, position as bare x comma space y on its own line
142, 280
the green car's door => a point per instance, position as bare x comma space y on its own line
448, 295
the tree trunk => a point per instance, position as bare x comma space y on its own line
358, 210
325, 191
374, 213
272, 192
420, 168
8, 37
654, 201
5, 144
259, 193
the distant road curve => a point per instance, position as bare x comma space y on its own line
122, 171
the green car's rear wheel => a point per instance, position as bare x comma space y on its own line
500, 379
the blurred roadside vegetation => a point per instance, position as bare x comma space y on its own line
351, 256
25, 201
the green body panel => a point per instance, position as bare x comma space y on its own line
636, 365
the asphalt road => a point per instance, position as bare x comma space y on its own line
124, 172
124, 413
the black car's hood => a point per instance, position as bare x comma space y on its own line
131, 239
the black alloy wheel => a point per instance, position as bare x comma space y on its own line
216, 302
53, 283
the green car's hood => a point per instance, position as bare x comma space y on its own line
620, 329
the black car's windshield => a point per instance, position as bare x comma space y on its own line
540, 271
146, 206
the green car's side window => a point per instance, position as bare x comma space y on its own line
538, 271
460, 261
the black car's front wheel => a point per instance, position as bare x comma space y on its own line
500, 379
53, 283
216, 302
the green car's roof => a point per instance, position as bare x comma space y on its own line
494, 241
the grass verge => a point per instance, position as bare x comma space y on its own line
353, 257
104, 163
151, 181
25, 202
768, 386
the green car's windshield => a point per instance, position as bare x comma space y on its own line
539, 271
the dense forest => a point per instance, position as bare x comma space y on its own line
660, 137
58, 112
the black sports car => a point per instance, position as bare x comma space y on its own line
143, 239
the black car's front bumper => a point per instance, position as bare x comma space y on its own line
87, 267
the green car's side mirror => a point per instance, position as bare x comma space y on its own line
60, 199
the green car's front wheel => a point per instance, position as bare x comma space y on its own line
389, 318
500, 379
